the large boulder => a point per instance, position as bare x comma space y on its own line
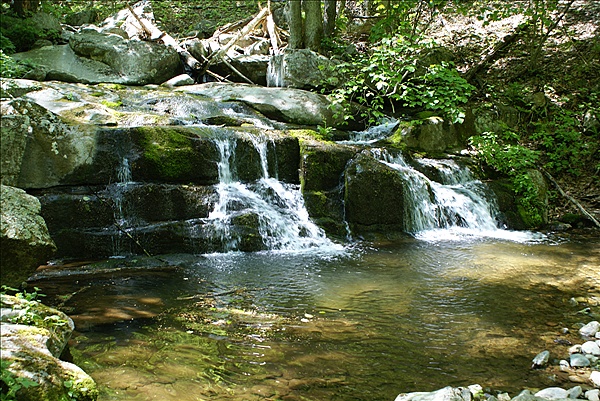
60, 63
94, 57
137, 62
374, 195
24, 237
33, 338
321, 177
288, 105
39, 149
302, 69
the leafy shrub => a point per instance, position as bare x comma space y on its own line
505, 154
22, 32
393, 73
11, 68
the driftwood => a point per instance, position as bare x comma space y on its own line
153, 32
570, 198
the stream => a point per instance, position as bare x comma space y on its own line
365, 322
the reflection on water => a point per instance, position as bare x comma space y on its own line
366, 325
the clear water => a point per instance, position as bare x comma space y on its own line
366, 324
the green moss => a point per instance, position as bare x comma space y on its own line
112, 105
168, 151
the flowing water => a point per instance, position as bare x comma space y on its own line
363, 324
457, 302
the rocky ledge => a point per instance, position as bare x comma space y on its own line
34, 337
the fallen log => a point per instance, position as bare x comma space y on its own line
154, 33
570, 198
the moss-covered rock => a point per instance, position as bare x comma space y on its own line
175, 154
516, 213
373, 196
33, 338
323, 164
24, 237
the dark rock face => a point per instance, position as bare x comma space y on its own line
24, 238
373, 196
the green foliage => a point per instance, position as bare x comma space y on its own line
28, 309
562, 143
10, 384
505, 154
396, 72
11, 68
22, 33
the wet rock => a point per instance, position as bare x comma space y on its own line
564, 365
591, 347
445, 394
579, 361
374, 195
552, 393
24, 239
540, 359
590, 329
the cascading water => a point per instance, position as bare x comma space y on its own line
276, 208
456, 206
121, 217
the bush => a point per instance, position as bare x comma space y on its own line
395, 73
11, 68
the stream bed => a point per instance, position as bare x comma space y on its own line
362, 323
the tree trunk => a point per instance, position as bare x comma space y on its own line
294, 17
23, 6
330, 16
313, 26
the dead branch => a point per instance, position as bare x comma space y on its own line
506, 42
152, 31
570, 198
218, 55
232, 68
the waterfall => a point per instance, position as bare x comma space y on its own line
275, 70
121, 214
266, 210
453, 205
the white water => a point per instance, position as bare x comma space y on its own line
455, 208
283, 222
373, 134
121, 214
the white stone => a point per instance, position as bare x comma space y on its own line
552, 393
444, 394
574, 392
564, 365
590, 347
595, 378
575, 349
593, 395
590, 329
